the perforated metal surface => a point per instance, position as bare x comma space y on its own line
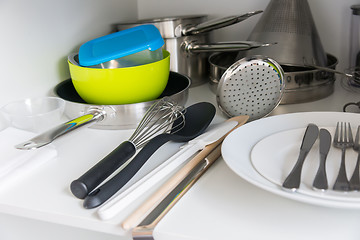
290, 24
288, 17
251, 86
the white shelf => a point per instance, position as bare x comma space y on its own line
220, 206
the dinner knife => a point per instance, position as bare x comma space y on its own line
292, 182
320, 181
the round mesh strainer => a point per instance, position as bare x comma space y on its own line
252, 86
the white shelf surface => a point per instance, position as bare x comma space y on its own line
220, 206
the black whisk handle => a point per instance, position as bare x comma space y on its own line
108, 189
82, 186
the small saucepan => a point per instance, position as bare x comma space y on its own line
126, 116
189, 40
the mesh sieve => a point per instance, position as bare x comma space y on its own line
252, 86
290, 24
286, 16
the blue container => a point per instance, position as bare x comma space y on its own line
131, 47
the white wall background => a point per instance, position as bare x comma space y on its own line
37, 36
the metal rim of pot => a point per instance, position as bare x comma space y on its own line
310, 84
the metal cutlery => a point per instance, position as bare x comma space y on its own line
320, 181
292, 182
355, 179
342, 139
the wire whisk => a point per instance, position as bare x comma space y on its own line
159, 118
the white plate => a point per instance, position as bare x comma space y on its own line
237, 149
276, 165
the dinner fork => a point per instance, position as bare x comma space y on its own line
355, 179
343, 141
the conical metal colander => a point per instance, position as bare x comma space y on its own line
290, 24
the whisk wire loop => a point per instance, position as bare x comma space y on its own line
159, 118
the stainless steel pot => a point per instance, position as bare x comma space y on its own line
188, 40
302, 84
125, 116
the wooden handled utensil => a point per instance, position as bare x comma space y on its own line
206, 157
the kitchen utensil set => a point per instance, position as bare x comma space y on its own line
159, 118
343, 140
151, 211
122, 201
173, 123
197, 118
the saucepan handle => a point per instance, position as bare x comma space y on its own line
92, 116
194, 47
216, 24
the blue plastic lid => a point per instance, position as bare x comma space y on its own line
120, 44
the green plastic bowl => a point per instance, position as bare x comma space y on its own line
120, 85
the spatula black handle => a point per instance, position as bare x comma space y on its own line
82, 186
108, 189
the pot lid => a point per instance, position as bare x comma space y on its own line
120, 44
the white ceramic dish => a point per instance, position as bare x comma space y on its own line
237, 149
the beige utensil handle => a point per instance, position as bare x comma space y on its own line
138, 215
146, 229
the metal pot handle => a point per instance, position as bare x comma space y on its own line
216, 24
193, 47
92, 116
